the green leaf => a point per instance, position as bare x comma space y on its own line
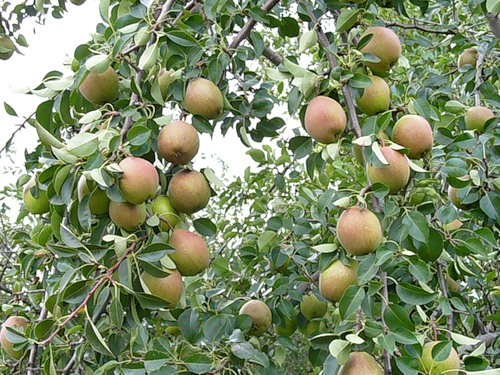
308, 40
189, 323
493, 6
340, 350
116, 313
300, 146
347, 19
414, 295
205, 227
490, 204
396, 316
154, 252
351, 300
325, 248
95, 339
198, 363
83, 145
214, 327
441, 351
267, 240
10, 111
417, 223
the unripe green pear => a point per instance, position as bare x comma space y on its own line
385, 45
189, 191
191, 254
168, 288
99, 201
288, 327
311, 307
334, 280
312, 327
139, 181
165, 78
453, 285
325, 119
164, 209
429, 366
100, 88
15, 322
204, 98
178, 142
127, 216
361, 363
359, 231
39, 205
469, 56
477, 117
376, 98
395, 175
7, 48
415, 133
261, 316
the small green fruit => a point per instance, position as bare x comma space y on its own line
261, 316
100, 88
469, 56
164, 209
376, 98
311, 307
334, 280
39, 205
360, 363
477, 117
99, 201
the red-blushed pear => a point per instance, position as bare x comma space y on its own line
477, 117
395, 175
261, 316
38, 205
168, 288
189, 191
7, 48
376, 98
385, 45
164, 209
361, 363
178, 142
127, 216
203, 97
359, 231
334, 280
139, 181
311, 307
429, 366
16, 322
99, 201
469, 56
325, 119
191, 254
100, 88
415, 133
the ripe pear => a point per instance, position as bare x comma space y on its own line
7, 48
139, 181
164, 209
204, 98
168, 288
99, 201
325, 119
396, 175
39, 205
415, 133
191, 254
469, 56
126, 215
359, 231
361, 363
15, 322
288, 327
337, 278
261, 316
100, 88
429, 366
376, 98
477, 117
189, 191
178, 142
311, 307
385, 45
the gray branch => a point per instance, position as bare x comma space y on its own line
494, 22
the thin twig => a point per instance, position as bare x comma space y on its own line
19, 128
444, 291
34, 348
479, 77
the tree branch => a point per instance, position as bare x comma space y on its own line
444, 291
385, 300
421, 28
34, 348
479, 77
486, 339
494, 22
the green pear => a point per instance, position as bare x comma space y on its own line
261, 316
334, 280
469, 56
164, 209
178, 142
191, 254
139, 181
164, 80
453, 285
7, 48
376, 98
429, 366
15, 322
325, 119
168, 288
359, 231
100, 88
99, 201
385, 45
127, 216
39, 205
189, 191
477, 117
204, 98
361, 363
415, 133
395, 175
312, 307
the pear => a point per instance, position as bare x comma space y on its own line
361, 363
311, 307
139, 181
100, 88
189, 191
376, 98
164, 209
359, 231
429, 366
288, 327
325, 119
38, 205
204, 98
454, 198
191, 254
7, 48
178, 142
477, 117
396, 175
99, 201
385, 45
334, 280
312, 327
164, 79
415, 133
168, 288
15, 322
469, 56
127, 216
453, 285
261, 316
